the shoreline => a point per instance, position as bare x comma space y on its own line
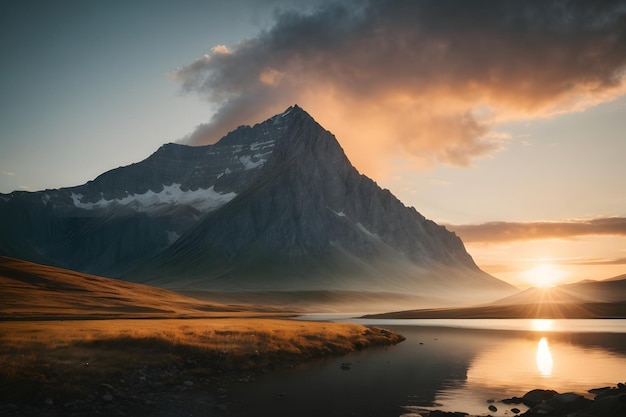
615, 310
134, 366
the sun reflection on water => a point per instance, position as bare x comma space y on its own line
544, 357
541, 325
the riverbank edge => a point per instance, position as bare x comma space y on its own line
170, 375
615, 310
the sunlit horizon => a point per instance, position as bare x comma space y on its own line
545, 275
571, 260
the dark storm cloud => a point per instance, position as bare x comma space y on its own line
510, 231
427, 78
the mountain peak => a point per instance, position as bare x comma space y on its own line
293, 110
312, 221
274, 206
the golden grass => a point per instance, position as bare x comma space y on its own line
65, 334
238, 334
33, 291
69, 359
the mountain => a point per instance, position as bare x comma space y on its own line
273, 207
128, 214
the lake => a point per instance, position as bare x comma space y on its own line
450, 365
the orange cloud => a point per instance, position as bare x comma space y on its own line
510, 231
598, 262
424, 80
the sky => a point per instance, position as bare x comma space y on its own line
504, 121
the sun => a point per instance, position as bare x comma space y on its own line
544, 275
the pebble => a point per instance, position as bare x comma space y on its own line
514, 400
8, 407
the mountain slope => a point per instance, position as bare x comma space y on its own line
311, 221
34, 291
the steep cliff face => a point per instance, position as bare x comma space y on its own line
312, 222
276, 206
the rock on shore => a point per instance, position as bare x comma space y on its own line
607, 402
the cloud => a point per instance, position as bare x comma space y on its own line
598, 262
426, 79
8, 173
510, 231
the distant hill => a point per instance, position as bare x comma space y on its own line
33, 291
581, 300
606, 291
617, 278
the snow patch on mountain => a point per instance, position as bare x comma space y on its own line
172, 236
338, 213
367, 232
358, 225
248, 163
226, 172
262, 145
201, 199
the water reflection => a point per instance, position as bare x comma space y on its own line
542, 325
511, 364
544, 358
450, 369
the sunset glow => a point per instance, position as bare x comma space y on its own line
544, 275
313, 207
429, 108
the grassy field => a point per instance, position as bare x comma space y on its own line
66, 335
67, 360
